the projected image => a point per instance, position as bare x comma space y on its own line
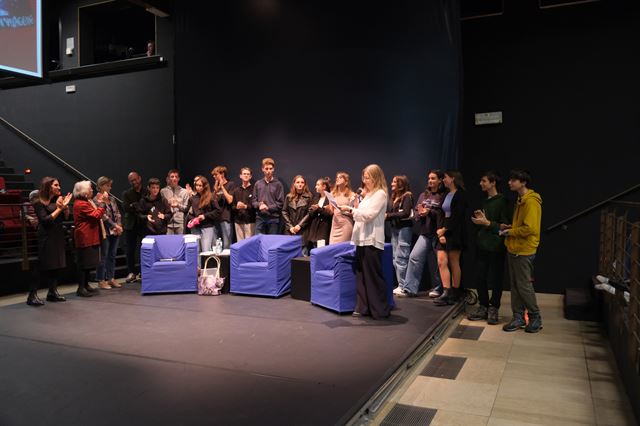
20, 36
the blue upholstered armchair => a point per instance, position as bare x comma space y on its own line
169, 263
333, 276
261, 265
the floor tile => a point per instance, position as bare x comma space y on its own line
450, 395
553, 413
570, 391
474, 349
482, 370
616, 413
454, 418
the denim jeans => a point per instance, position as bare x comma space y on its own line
267, 226
422, 252
107, 265
226, 235
401, 249
207, 237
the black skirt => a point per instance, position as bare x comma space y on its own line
88, 257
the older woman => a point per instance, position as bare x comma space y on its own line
51, 209
368, 237
112, 222
89, 232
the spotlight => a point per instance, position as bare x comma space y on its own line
27, 171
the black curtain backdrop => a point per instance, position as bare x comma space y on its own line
318, 86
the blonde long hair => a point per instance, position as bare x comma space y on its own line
377, 175
346, 189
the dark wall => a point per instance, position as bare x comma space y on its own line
318, 86
111, 125
567, 82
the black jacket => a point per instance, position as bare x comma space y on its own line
320, 219
458, 222
399, 213
147, 207
211, 212
296, 212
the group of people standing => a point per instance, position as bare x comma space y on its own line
333, 213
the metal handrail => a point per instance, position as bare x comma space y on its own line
563, 223
49, 153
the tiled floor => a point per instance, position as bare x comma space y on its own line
564, 375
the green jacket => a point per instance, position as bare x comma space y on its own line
496, 210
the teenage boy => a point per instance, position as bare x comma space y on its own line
177, 197
133, 230
153, 210
490, 249
268, 199
244, 215
223, 189
522, 240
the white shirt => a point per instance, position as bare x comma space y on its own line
368, 227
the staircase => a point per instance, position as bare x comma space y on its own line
15, 182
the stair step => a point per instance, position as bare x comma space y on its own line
20, 185
4, 169
8, 177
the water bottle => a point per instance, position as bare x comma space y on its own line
219, 245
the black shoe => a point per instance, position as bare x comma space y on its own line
34, 300
517, 323
83, 292
55, 297
444, 298
535, 323
480, 314
91, 289
492, 316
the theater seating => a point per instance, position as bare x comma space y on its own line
261, 265
169, 263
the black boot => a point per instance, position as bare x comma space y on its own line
443, 300
516, 323
54, 296
83, 292
33, 299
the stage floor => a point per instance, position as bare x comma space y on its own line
181, 359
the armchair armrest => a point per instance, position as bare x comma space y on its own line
325, 258
245, 251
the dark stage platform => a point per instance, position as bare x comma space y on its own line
125, 359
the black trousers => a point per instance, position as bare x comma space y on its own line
48, 279
133, 240
371, 288
489, 275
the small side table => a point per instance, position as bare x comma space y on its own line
225, 265
301, 278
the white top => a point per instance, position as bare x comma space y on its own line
368, 227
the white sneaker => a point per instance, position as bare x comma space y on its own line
602, 279
434, 293
399, 292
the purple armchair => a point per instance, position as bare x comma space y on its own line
333, 276
169, 263
261, 265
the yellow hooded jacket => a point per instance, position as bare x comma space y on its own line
524, 236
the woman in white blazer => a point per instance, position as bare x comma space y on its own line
368, 237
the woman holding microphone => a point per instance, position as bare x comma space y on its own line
368, 237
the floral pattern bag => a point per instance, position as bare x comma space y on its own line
209, 281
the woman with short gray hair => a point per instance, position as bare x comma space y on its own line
89, 232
